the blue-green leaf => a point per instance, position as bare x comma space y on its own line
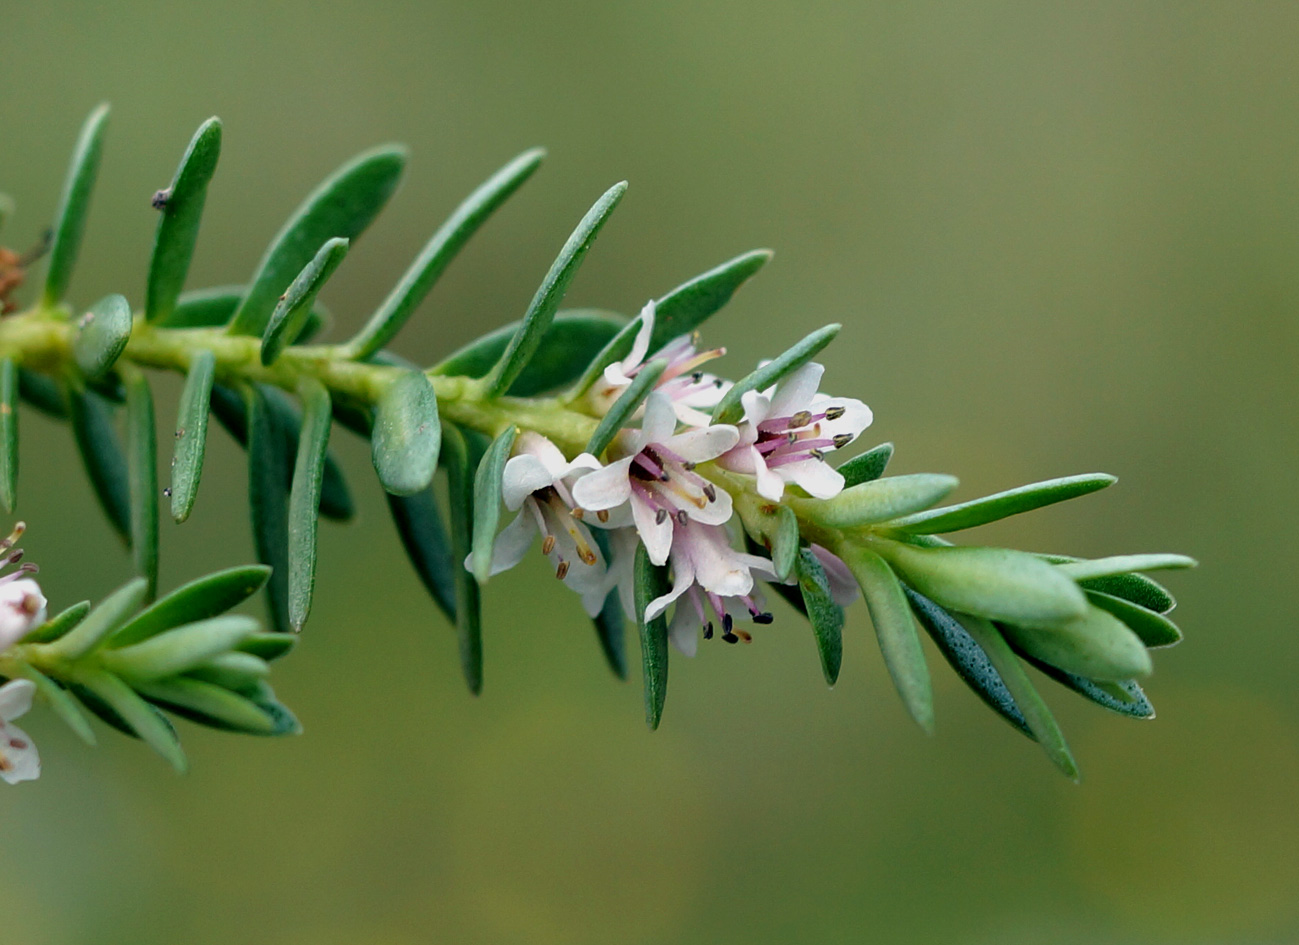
993, 507
729, 409
135, 714
112, 612
1121, 564
625, 407
8, 434
304, 498
867, 467
212, 307
487, 501
181, 209
293, 308
460, 456
210, 705
1125, 698
407, 435
57, 626
610, 628
269, 469
651, 582
191, 433
208, 596
102, 335
58, 699
70, 222
101, 451
822, 612
877, 500
784, 542
180, 649
343, 206
424, 536
43, 393
433, 259
142, 468
550, 293
1153, 629
1096, 645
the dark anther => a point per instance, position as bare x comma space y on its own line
561, 571
660, 516
842, 440
682, 517
688, 466
817, 454
762, 618
160, 198
801, 419
710, 490
697, 376
833, 413
730, 637
727, 622
708, 630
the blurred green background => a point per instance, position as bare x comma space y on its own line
1062, 238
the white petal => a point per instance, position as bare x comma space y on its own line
640, 346
660, 419
699, 446
513, 542
656, 535
16, 698
523, 476
856, 415
532, 443
717, 512
683, 632
770, 484
757, 406
739, 458
718, 568
815, 477
22, 763
683, 576
604, 488
796, 391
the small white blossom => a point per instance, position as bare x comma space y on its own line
22, 609
19, 760
656, 477
786, 431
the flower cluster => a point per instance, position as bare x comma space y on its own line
22, 609
658, 486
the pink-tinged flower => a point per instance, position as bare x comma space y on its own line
690, 390
843, 586
709, 578
656, 477
19, 760
22, 609
787, 430
537, 482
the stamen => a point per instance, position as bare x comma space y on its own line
834, 413
763, 618
682, 517
727, 622
730, 637
660, 516
842, 440
602, 515
561, 571
548, 544
578, 513
801, 419
708, 630
710, 491
14, 535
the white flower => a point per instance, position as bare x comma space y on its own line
713, 574
787, 430
537, 482
656, 476
19, 760
690, 390
22, 608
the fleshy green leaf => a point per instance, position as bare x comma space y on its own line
70, 223
209, 596
730, 410
268, 646
1125, 698
877, 500
101, 451
993, 507
269, 465
136, 714
968, 659
1096, 645
433, 259
895, 629
113, 611
210, 705
102, 335
651, 582
1121, 564
628, 402
179, 650
407, 435
574, 336
867, 467
784, 543
43, 393
213, 307
343, 206
1136, 588
679, 312
460, 457
988, 582
550, 293
487, 501
8, 434
142, 468
610, 628
57, 626
1036, 713
64, 706
822, 612
304, 498
181, 208
293, 308
236, 670
191, 433
424, 536
1153, 629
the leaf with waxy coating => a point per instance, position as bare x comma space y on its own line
208, 596
541, 311
427, 544
142, 468
461, 457
101, 451
994, 507
57, 626
488, 480
70, 222
651, 582
304, 498
730, 410
135, 714
191, 433
212, 307
433, 259
1096, 645
867, 467
8, 434
113, 611
102, 335
1121, 564
1124, 698
293, 309
180, 649
407, 435
181, 209
877, 500
625, 407
209, 705
342, 206
574, 336
43, 393
610, 628
822, 612
988, 582
268, 646
269, 471
784, 542
1153, 629
58, 699
968, 659
895, 630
